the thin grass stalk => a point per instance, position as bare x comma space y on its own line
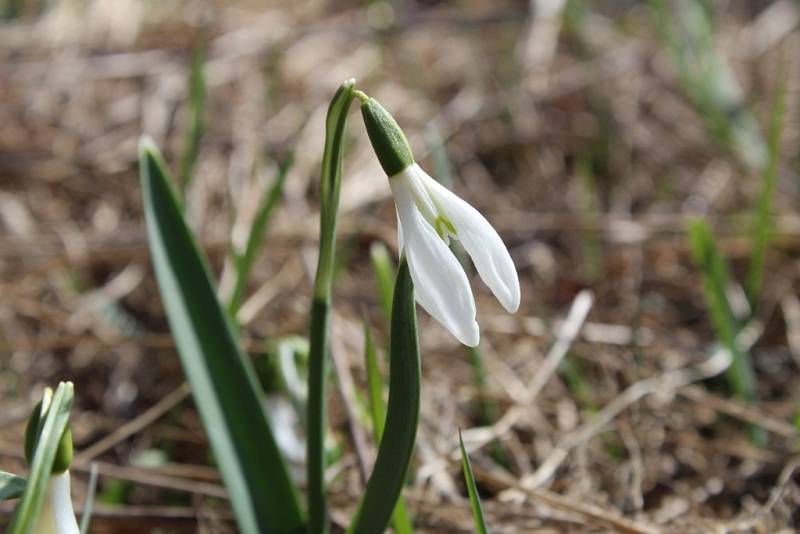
764, 216
472, 490
255, 239
196, 123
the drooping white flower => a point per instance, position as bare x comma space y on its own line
428, 216
57, 516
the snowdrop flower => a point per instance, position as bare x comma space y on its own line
428, 216
56, 515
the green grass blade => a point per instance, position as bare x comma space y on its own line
244, 262
472, 490
196, 124
377, 410
316, 413
11, 486
223, 381
402, 414
383, 267
47, 444
687, 30
763, 225
716, 280
88, 505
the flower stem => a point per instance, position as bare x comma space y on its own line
330, 184
316, 416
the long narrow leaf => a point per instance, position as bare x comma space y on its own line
715, 283
377, 409
223, 381
88, 504
11, 486
195, 126
244, 262
763, 226
687, 30
383, 267
472, 490
47, 444
402, 414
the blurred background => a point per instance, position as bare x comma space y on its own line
645, 152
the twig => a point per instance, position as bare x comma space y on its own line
554, 500
147, 418
659, 384
749, 414
347, 394
568, 331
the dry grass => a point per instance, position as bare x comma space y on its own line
619, 426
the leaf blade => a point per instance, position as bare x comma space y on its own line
472, 489
223, 381
11, 486
402, 414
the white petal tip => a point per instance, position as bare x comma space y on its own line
470, 338
508, 296
511, 306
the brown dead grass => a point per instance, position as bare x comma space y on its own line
643, 443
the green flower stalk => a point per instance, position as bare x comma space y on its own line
316, 414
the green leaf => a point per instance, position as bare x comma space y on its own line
11, 486
330, 182
244, 262
44, 456
763, 216
377, 409
472, 490
195, 126
716, 280
688, 33
223, 381
402, 414
329, 186
383, 267
88, 504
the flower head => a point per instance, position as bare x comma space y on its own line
56, 515
429, 215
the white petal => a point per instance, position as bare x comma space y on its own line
482, 243
440, 284
62, 504
56, 515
